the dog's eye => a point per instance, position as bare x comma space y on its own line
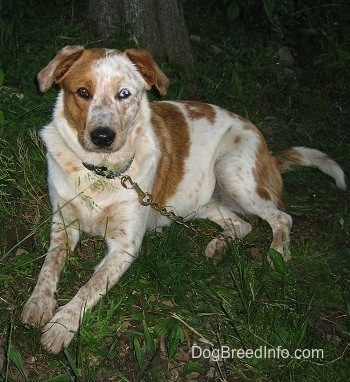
83, 93
124, 93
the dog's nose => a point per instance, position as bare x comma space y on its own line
102, 136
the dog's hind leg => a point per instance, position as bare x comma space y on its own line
233, 226
260, 199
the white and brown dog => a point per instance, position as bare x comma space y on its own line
199, 159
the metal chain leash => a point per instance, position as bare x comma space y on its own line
146, 199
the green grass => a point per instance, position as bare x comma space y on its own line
173, 297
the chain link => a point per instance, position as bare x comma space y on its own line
146, 199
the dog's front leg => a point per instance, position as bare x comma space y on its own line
122, 251
41, 305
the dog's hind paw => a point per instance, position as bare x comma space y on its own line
216, 249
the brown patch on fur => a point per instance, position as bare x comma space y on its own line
58, 66
199, 110
287, 159
238, 140
79, 75
148, 68
70, 168
267, 176
173, 136
47, 292
247, 125
239, 117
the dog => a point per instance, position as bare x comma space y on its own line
199, 159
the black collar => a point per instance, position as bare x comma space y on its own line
109, 174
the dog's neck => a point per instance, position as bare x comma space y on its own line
110, 173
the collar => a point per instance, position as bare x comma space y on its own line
122, 168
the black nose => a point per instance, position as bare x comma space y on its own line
102, 136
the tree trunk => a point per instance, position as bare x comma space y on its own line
155, 25
176, 43
103, 16
142, 19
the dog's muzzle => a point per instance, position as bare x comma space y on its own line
102, 137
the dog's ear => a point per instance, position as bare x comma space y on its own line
58, 66
148, 68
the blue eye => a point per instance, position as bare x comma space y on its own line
124, 93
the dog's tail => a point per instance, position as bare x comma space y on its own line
303, 156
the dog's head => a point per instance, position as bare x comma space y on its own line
103, 91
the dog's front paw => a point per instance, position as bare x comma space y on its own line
60, 330
38, 310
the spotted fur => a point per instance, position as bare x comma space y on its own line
199, 159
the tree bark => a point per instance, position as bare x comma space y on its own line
175, 39
103, 16
142, 19
155, 25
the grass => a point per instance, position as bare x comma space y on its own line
173, 297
